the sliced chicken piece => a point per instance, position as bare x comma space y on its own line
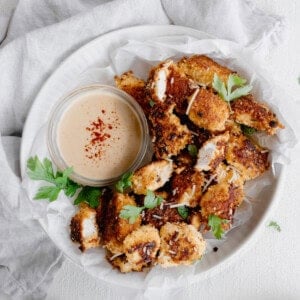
135, 87
207, 110
212, 153
152, 176
167, 84
187, 187
169, 135
201, 69
248, 111
114, 228
181, 244
84, 228
246, 156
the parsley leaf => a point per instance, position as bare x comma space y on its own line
131, 213
47, 192
235, 87
151, 200
193, 151
124, 183
247, 130
274, 225
151, 103
215, 224
40, 171
89, 195
183, 211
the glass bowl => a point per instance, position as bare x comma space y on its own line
68, 130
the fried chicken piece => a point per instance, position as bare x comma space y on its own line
247, 111
221, 200
84, 228
207, 110
135, 87
201, 69
212, 153
169, 135
152, 176
228, 173
159, 216
167, 84
141, 247
187, 187
181, 244
114, 228
246, 156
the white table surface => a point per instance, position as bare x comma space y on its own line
270, 269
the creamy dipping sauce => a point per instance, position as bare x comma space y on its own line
99, 135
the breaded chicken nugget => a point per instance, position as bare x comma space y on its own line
207, 110
246, 156
181, 244
152, 176
247, 111
201, 69
84, 228
169, 135
115, 229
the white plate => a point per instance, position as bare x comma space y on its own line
96, 53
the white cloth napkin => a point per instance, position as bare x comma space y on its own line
34, 38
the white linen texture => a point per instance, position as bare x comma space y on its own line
35, 37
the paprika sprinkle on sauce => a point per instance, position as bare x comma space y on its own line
100, 135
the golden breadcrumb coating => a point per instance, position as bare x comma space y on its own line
201, 69
115, 229
246, 156
152, 176
181, 244
141, 247
248, 111
135, 87
84, 228
169, 135
160, 215
187, 187
221, 200
208, 110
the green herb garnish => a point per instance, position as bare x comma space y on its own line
234, 88
247, 130
151, 103
274, 225
131, 212
124, 183
183, 211
215, 224
151, 200
89, 195
193, 151
43, 170
60, 181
